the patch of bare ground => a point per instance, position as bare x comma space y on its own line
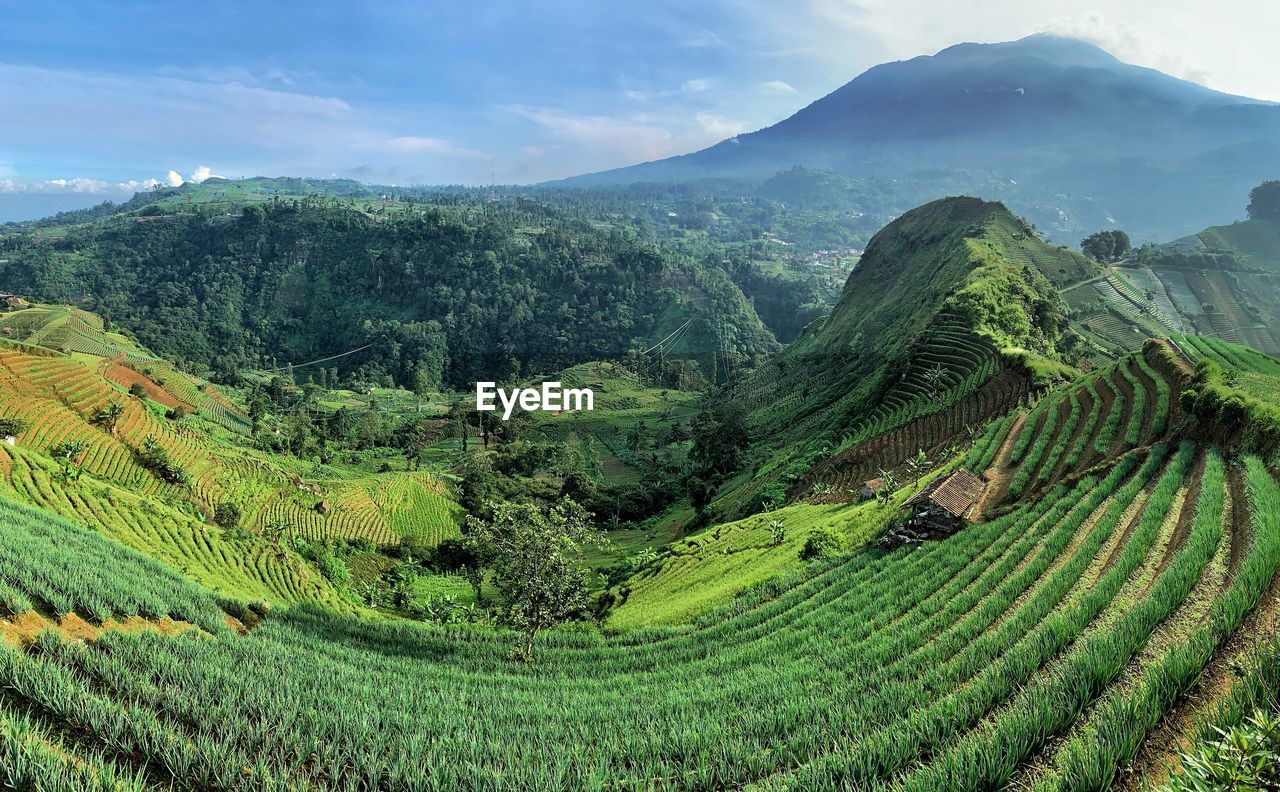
21, 630
999, 474
1149, 385
1126, 393
931, 433
1107, 398
1086, 398
1239, 515
1183, 529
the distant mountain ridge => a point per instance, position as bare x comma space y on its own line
1056, 112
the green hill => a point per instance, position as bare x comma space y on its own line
1107, 600
1223, 282
953, 311
236, 275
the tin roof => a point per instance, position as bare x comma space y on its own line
955, 492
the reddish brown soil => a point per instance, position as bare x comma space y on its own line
1107, 398
127, 377
1150, 386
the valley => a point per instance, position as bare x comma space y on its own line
864, 451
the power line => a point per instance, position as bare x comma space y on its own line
663, 341
321, 360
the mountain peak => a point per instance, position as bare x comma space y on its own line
1061, 50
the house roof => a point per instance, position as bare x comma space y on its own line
955, 493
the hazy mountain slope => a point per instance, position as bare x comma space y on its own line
1046, 111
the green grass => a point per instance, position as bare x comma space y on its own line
706, 570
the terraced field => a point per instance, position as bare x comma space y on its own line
249, 570
1125, 405
1027, 648
58, 398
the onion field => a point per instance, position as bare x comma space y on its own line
951, 666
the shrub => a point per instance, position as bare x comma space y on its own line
227, 515
820, 544
12, 427
1247, 757
154, 458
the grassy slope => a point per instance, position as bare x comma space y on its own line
957, 259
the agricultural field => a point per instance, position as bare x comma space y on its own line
352, 590
1057, 615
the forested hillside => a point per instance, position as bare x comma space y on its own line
442, 293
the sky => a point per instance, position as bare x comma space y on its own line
99, 100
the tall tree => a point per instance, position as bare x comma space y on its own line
1264, 202
535, 558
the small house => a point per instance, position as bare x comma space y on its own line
871, 488
944, 504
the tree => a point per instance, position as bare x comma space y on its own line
422, 385
107, 417
918, 465
137, 390
12, 427
934, 377
68, 454
534, 556
777, 531
890, 485
479, 486
1106, 246
1264, 202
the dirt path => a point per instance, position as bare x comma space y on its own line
1239, 516
999, 474
1086, 397
1183, 528
1126, 393
1150, 386
1107, 398
1159, 754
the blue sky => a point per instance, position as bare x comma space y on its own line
99, 99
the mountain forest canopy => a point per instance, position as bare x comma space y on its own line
440, 294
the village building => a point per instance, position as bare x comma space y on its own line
943, 505
11, 302
871, 488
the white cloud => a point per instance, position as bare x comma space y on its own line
79, 184
174, 179
693, 86
429, 145
702, 39
778, 86
1230, 52
1129, 44
635, 136
717, 127
202, 173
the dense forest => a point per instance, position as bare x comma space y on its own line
431, 294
